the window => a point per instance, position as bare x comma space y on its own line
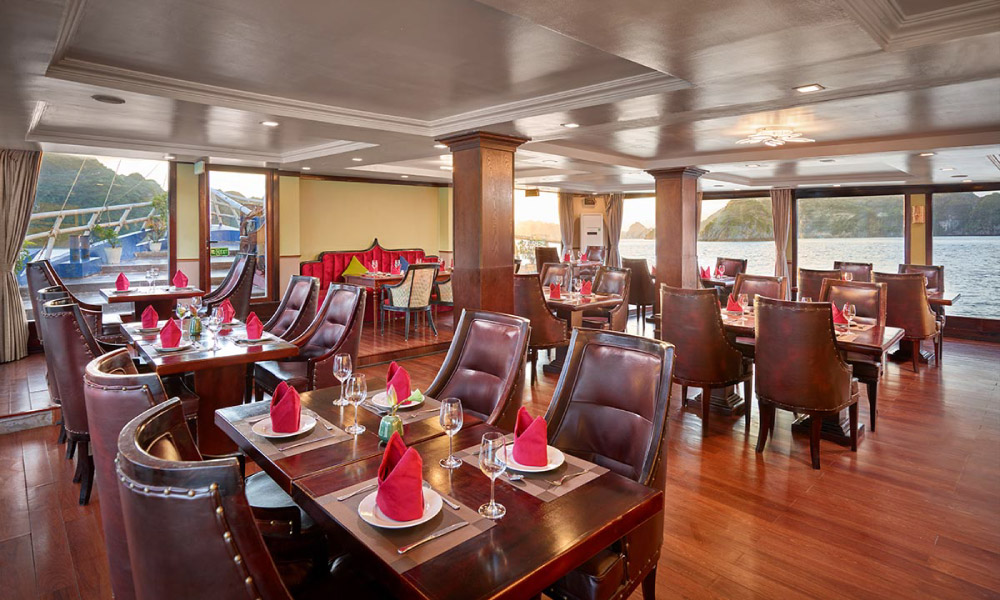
966, 241
638, 237
863, 229
536, 223
740, 228
96, 216
238, 203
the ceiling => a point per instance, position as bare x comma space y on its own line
363, 89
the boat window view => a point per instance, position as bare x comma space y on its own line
536, 223
739, 228
95, 217
238, 213
966, 242
865, 229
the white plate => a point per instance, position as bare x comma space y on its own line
372, 514
263, 428
555, 456
381, 400
148, 330
182, 346
124, 291
180, 288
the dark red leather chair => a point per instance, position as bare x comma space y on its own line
869, 300
731, 266
237, 287
547, 331
811, 281
859, 271
550, 273
545, 255
297, 308
484, 367
908, 308
610, 281
706, 358
595, 254
610, 407
236, 268
336, 329
41, 275
762, 285
800, 369
642, 289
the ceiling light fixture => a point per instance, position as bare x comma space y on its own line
959, 176
404, 176
107, 99
827, 160
269, 123
966, 181
717, 185
441, 146
812, 87
356, 159
570, 125
445, 168
169, 157
947, 168
926, 154
307, 168
752, 166
774, 137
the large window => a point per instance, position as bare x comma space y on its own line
863, 229
638, 236
966, 228
740, 228
238, 203
96, 216
536, 223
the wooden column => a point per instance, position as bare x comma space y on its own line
677, 226
483, 179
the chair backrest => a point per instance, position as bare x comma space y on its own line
811, 281
595, 253
907, 306
690, 320
446, 293
40, 275
297, 308
545, 254
859, 271
933, 273
529, 303
484, 366
760, 285
227, 283
554, 272
517, 265
190, 530
642, 290
869, 299
71, 346
42, 296
618, 281
731, 266
115, 394
337, 326
239, 288
415, 289
797, 362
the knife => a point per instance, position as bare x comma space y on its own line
433, 536
356, 492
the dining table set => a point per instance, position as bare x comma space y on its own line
570, 307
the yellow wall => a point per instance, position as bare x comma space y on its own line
918, 232
288, 216
446, 224
187, 212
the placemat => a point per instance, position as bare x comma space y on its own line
846, 337
428, 410
323, 434
541, 485
385, 542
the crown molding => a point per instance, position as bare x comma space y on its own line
886, 23
320, 150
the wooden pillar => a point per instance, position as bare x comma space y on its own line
677, 226
483, 181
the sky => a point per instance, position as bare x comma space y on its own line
545, 208
250, 185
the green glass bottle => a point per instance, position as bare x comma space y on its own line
194, 326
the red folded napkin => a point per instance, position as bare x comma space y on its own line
121, 284
530, 441
732, 305
706, 273
442, 265
255, 328
395, 268
838, 316
400, 493
554, 291
170, 335
398, 379
228, 312
150, 318
566, 257
180, 279
587, 288
286, 409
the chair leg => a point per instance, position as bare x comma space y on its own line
640, 311
938, 346
62, 433
817, 426
86, 468
258, 392
706, 407
70, 448
747, 402
916, 356
406, 336
872, 402
852, 413
382, 320
684, 395
430, 319
649, 585
766, 416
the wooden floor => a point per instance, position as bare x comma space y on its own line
378, 347
915, 513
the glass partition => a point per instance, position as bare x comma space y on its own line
967, 242
862, 229
739, 228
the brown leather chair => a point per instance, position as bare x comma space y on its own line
610, 281
595, 254
935, 283
554, 273
869, 300
800, 369
547, 330
545, 255
484, 367
611, 407
706, 358
908, 308
859, 271
237, 287
760, 285
40, 275
297, 308
731, 266
811, 281
642, 289
336, 329
235, 269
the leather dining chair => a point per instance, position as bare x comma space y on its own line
545, 255
731, 266
800, 369
235, 269
610, 281
907, 307
935, 283
41, 275
553, 273
296, 310
811, 281
610, 407
484, 367
760, 285
595, 254
859, 271
706, 358
336, 329
237, 288
869, 300
411, 295
547, 330
642, 289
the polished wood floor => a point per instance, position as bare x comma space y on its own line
915, 513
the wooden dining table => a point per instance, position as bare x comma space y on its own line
375, 281
570, 308
938, 300
163, 299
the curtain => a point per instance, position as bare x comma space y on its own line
781, 217
18, 179
566, 221
613, 212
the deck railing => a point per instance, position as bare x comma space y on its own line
95, 214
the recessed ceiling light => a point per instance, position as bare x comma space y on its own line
405, 176
445, 168
107, 99
717, 185
169, 157
947, 168
752, 166
966, 181
307, 168
926, 154
959, 176
827, 160
269, 123
441, 146
570, 125
836, 185
356, 159
812, 87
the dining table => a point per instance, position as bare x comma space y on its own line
220, 375
570, 307
163, 299
938, 301
375, 281
724, 283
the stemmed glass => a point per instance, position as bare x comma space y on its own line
744, 301
214, 323
342, 369
149, 278
396, 265
196, 305
492, 462
357, 391
375, 266
849, 312
577, 286
451, 421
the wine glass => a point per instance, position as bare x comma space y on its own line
214, 323
744, 301
492, 462
195, 304
451, 421
374, 266
847, 276
806, 299
149, 278
849, 312
357, 391
341, 370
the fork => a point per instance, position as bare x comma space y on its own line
564, 478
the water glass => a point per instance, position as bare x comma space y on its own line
214, 323
847, 276
849, 312
577, 285
450, 418
149, 278
744, 301
357, 391
342, 369
493, 462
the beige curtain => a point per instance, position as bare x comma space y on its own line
781, 217
613, 220
566, 221
18, 180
